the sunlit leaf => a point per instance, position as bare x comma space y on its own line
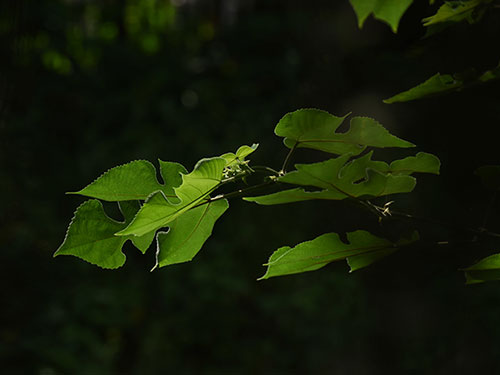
133, 181
158, 211
91, 237
240, 155
129, 209
188, 233
487, 269
340, 180
388, 11
314, 254
316, 129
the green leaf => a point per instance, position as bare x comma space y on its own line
133, 181
91, 237
129, 209
314, 254
421, 163
388, 11
188, 233
339, 180
313, 128
437, 84
490, 75
457, 11
171, 173
357, 262
294, 195
490, 176
240, 155
196, 186
486, 269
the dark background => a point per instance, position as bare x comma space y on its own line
88, 85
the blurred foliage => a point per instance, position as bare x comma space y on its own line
87, 85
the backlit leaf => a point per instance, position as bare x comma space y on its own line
91, 237
316, 129
314, 254
340, 180
158, 211
188, 233
129, 209
388, 11
133, 181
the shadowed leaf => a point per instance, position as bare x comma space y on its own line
487, 269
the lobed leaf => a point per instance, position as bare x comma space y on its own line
340, 180
316, 129
363, 249
487, 269
91, 237
158, 211
133, 181
188, 233
388, 11
420, 163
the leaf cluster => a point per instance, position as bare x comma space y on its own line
180, 212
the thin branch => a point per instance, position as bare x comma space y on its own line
234, 194
287, 159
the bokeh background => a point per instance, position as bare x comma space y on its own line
87, 85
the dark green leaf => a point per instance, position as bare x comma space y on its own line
486, 269
436, 84
490, 75
188, 233
421, 163
357, 262
457, 11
